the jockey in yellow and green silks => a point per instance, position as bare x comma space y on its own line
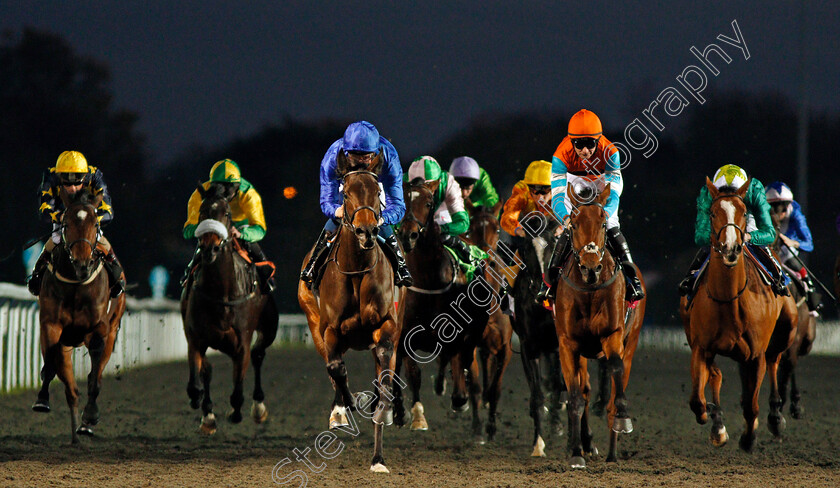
72, 174
246, 212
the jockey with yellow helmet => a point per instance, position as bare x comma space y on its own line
759, 232
530, 194
586, 158
361, 144
72, 174
476, 188
246, 213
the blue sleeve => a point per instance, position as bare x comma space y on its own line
330, 198
558, 187
798, 228
612, 175
391, 178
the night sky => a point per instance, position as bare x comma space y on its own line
206, 72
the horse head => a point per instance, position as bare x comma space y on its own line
419, 214
214, 221
361, 198
728, 216
80, 225
588, 228
484, 228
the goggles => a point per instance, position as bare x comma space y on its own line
585, 142
540, 189
71, 179
464, 182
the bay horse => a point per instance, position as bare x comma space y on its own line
806, 332
441, 314
75, 309
734, 314
354, 308
534, 325
222, 307
591, 320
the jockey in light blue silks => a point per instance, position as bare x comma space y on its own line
361, 144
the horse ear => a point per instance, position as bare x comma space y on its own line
743, 190
711, 187
201, 191
340, 163
377, 163
604, 195
97, 200
433, 186
64, 196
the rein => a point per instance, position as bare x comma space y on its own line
603, 285
409, 214
746, 283
64, 279
584, 250
348, 222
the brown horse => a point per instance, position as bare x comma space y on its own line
441, 314
592, 319
75, 309
735, 315
222, 307
806, 332
355, 307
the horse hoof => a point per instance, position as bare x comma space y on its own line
577, 462
776, 425
460, 408
440, 387
479, 440
379, 468
234, 416
85, 430
746, 442
208, 424
383, 416
41, 406
720, 438
622, 426
539, 448
418, 420
598, 409
593, 451
258, 412
797, 411
338, 418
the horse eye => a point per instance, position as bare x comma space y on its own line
428, 205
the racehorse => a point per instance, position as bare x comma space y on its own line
735, 315
222, 307
495, 351
592, 319
534, 324
355, 307
441, 314
806, 332
75, 309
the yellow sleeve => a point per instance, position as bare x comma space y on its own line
251, 205
193, 207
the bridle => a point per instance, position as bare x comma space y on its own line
409, 214
68, 246
588, 248
718, 247
347, 221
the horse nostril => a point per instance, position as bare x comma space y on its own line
414, 236
359, 232
599, 268
375, 231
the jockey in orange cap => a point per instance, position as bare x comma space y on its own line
586, 158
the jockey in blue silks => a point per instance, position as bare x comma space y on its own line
361, 144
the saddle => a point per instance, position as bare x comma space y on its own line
750, 254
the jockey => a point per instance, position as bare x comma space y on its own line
475, 184
448, 205
361, 143
533, 193
759, 232
72, 173
246, 213
795, 234
586, 158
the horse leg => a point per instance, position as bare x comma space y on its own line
796, 410
385, 366
338, 413
719, 436
494, 388
572, 364
486, 361
49, 342
100, 352
440, 379
418, 417
775, 419
64, 369
265, 337
337, 369
399, 405
474, 388
208, 418
751, 376
699, 378
531, 365
603, 388
194, 390
460, 397
585, 426
558, 394
241, 359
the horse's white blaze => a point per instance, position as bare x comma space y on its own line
82, 214
414, 194
590, 248
730, 235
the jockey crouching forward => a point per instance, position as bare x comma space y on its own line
532, 193
586, 158
246, 214
72, 173
448, 207
361, 144
759, 232
476, 188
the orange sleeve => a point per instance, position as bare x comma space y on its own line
517, 202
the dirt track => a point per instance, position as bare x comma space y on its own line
148, 435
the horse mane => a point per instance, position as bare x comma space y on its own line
418, 181
215, 191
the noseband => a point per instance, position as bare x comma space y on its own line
409, 214
347, 220
588, 248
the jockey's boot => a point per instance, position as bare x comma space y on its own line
401, 275
265, 272
462, 249
115, 271
561, 250
777, 276
687, 283
321, 245
190, 266
813, 297
34, 281
618, 245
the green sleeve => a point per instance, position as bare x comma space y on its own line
759, 208
483, 192
252, 233
189, 231
460, 224
703, 224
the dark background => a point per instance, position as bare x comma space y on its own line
154, 94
